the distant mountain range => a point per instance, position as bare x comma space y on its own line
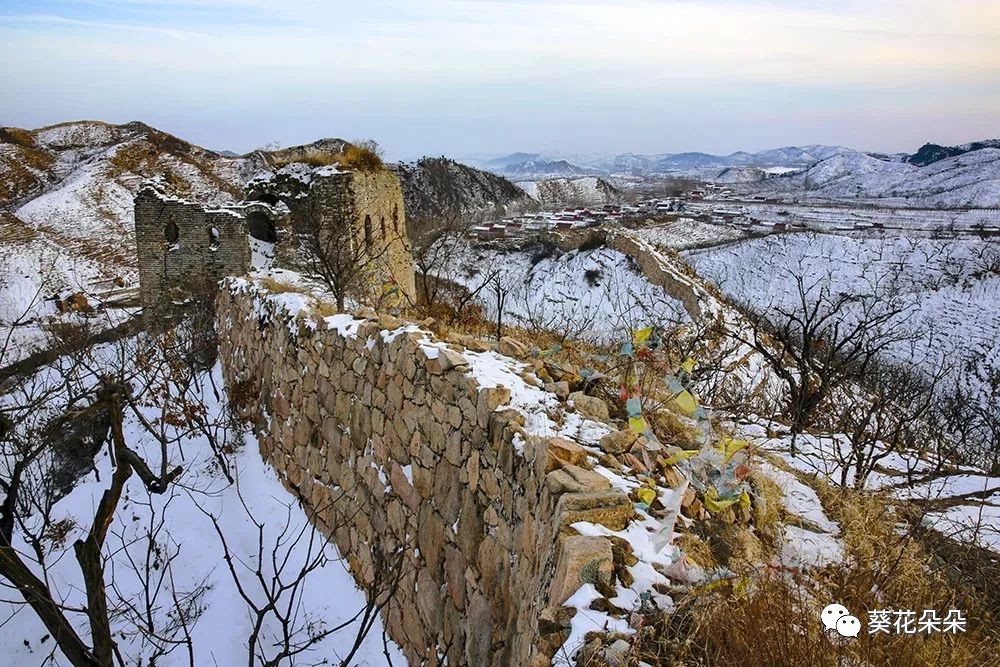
536, 166
734, 167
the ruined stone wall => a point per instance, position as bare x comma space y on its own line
386, 434
210, 245
670, 276
367, 209
378, 194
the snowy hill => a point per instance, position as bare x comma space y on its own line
740, 175
539, 169
971, 179
435, 186
929, 153
586, 191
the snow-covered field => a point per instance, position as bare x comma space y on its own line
841, 217
169, 542
953, 286
687, 233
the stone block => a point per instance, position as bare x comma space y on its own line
581, 560
590, 406
618, 442
574, 479
562, 452
610, 508
512, 347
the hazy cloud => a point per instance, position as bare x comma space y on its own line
463, 75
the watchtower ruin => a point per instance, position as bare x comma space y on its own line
184, 249
354, 214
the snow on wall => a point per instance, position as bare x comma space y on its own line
350, 410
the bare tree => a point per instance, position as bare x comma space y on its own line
500, 286
346, 260
890, 414
821, 339
271, 582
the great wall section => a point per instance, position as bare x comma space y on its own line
393, 440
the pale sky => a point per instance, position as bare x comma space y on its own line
458, 77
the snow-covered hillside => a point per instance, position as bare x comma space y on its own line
968, 180
71, 229
597, 294
585, 191
953, 286
437, 187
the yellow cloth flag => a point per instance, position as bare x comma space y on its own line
641, 335
730, 446
713, 503
674, 459
686, 403
646, 495
688, 366
637, 424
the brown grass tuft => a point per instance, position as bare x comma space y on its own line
770, 617
16, 135
364, 156
276, 286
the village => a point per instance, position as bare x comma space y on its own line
751, 214
710, 204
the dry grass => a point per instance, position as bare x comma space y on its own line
324, 309
275, 286
136, 158
17, 177
363, 156
311, 159
770, 617
16, 135
767, 505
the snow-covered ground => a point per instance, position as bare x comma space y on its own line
170, 538
962, 502
32, 273
687, 233
952, 286
593, 294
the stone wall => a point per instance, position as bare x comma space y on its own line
357, 212
657, 268
183, 249
378, 197
386, 434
